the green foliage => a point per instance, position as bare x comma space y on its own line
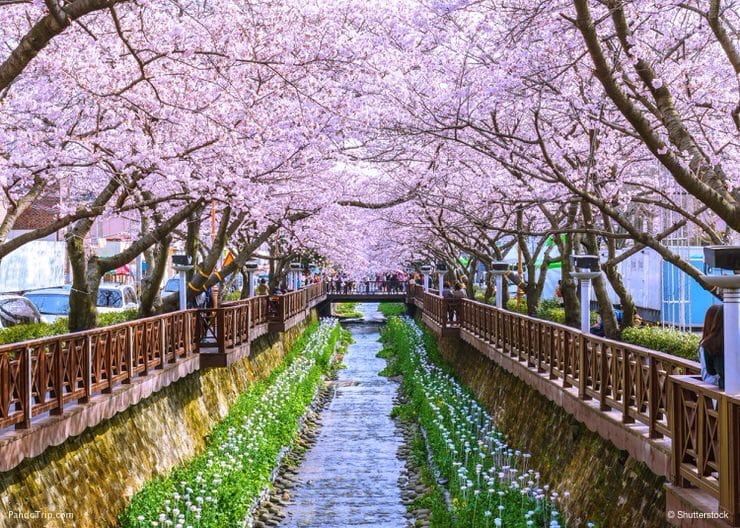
390, 309
513, 306
233, 296
551, 310
347, 309
26, 332
385, 353
405, 412
243, 449
478, 479
682, 344
111, 318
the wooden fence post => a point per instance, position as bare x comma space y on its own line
729, 459
59, 379
26, 388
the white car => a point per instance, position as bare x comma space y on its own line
116, 298
53, 303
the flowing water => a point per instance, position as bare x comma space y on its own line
350, 477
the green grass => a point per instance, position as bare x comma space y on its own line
390, 309
470, 454
224, 481
347, 309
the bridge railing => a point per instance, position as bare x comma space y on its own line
705, 430
44, 375
620, 376
370, 287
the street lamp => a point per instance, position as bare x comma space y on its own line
728, 258
251, 267
587, 268
441, 270
499, 270
182, 264
426, 269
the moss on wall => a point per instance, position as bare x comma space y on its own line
605, 484
92, 476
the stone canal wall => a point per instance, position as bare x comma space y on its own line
92, 476
606, 485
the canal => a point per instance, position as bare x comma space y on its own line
350, 476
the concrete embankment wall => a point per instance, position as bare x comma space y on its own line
606, 485
92, 476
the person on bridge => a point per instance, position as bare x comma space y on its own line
459, 292
712, 347
262, 288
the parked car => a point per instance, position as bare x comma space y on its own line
53, 303
116, 298
15, 310
171, 286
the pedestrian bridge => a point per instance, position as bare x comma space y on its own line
651, 404
366, 291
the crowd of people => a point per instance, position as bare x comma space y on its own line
390, 282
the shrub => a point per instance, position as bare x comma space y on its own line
668, 340
511, 305
556, 314
390, 309
111, 318
26, 332
233, 296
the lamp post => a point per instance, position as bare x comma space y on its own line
499, 269
728, 258
587, 268
295, 268
251, 267
182, 264
426, 269
441, 270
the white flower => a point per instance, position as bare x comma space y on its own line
657, 83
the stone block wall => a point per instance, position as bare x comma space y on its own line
606, 485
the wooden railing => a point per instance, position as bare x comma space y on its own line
656, 389
46, 374
705, 430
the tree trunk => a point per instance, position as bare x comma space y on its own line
615, 279
85, 283
150, 301
245, 285
568, 286
608, 318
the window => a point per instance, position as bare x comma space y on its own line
109, 298
172, 285
50, 303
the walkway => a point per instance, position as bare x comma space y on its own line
349, 478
